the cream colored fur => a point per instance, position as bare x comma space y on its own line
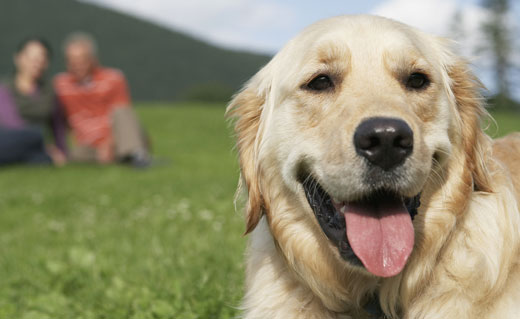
466, 258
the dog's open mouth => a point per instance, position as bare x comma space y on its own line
376, 232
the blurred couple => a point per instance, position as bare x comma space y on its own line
89, 100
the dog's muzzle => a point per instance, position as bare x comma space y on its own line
369, 219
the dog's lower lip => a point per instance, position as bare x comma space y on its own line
330, 220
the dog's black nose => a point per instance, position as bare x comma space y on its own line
384, 142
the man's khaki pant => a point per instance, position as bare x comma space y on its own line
129, 138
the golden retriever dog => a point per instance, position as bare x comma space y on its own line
372, 190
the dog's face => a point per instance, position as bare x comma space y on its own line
356, 118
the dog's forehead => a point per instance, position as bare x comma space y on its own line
357, 48
363, 38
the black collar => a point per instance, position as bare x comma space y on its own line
373, 308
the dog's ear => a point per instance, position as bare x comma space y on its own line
246, 108
470, 103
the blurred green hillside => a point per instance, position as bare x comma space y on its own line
160, 64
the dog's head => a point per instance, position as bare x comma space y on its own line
351, 125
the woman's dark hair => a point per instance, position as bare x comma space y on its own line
22, 44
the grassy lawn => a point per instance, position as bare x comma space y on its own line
505, 123
113, 242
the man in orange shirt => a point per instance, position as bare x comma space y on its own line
97, 106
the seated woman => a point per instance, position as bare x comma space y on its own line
29, 114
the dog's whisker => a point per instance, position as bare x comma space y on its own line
437, 179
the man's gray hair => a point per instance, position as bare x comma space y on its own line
81, 37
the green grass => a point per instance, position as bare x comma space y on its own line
505, 123
112, 242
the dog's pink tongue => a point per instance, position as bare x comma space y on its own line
381, 235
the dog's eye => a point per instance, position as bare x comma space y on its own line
417, 81
320, 83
